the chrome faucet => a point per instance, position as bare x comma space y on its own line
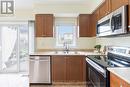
66, 47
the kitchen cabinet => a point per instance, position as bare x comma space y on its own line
58, 68
84, 25
129, 16
104, 9
44, 25
94, 18
115, 4
96, 14
115, 81
68, 68
75, 68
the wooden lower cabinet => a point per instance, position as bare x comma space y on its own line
115, 81
68, 69
58, 68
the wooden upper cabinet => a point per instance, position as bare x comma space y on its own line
129, 16
115, 4
93, 20
96, 14
84, 25
44, 25
105, 9
115, 81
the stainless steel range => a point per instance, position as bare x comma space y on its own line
97, 65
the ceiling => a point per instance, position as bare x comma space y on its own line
30, 4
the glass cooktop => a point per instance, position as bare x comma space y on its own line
100, 59
110, 60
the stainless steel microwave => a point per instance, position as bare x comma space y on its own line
114, 23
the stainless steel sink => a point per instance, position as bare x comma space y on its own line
66, 52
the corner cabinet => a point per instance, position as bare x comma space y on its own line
115, 81
84, 25
68, 68
44, 25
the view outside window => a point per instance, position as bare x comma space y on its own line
66, 32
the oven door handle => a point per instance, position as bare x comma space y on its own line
97, 67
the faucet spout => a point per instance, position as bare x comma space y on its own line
66, 47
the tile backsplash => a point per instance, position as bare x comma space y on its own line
49, 43
116, 41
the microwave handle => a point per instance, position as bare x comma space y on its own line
112, 24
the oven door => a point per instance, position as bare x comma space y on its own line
119, 21
96, 77
104, 26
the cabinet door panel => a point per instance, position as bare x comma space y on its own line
115, 81
44, 25
39, 25
115, 4
75, 69
58, 68
129, 16
104, 8
84, 25
49, 25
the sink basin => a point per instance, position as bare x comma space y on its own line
67, 53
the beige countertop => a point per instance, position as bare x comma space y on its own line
63, 53
123, 73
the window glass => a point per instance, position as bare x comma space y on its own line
66, 34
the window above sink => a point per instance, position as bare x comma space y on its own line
66, 32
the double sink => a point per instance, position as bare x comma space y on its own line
65, 53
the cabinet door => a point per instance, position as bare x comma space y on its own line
58, 68
40, 25
115, 81
44, 25
84, 25
104, 8
96, 13
129, 16
75, 69
93, 24
94, 18
115, 4
49, 25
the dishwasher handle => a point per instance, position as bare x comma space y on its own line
40, 59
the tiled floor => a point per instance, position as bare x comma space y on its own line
63, 85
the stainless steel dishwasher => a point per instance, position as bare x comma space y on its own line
40, 69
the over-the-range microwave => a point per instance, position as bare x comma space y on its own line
114, 23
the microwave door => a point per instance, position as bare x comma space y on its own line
103, 28
119, 21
